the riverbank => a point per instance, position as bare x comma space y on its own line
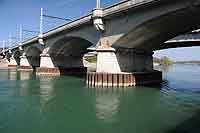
187, 62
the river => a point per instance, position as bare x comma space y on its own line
32, 104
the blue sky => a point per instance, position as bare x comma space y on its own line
27, 12
180, 54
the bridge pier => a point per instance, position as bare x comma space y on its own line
123, 68
60, 65
12, 63
24, 64
46, 66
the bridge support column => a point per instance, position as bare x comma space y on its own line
12, 63
107, 61
24, 64
60, 65
123, 68
46, 66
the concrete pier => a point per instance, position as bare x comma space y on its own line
123, 80
124, 67
60, 71
24, 64
46, 66
59, 66
12, 63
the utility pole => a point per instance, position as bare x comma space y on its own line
41, 20
20, 34
3, 47
20, 37
98, 4
10, 43
40, 40
9, 40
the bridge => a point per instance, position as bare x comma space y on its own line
125, 35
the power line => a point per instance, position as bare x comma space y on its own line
48, 16
30, 31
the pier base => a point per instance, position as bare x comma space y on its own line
123, 79
24, 64
60, 71
25, 68
12, 64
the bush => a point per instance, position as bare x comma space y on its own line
91, 59
163, 61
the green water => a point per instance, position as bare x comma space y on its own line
31, 104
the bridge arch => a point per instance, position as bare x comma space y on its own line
68, 51
151, 33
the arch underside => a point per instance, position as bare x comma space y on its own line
152, 34
33, 56
68, 52
8, 56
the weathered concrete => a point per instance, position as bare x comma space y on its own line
126, 68
47, 66
107, 61
46, 61
61, 71
133, 28
12, 63
134, 60
121, 80
4, 63
24, 64
130, 24
60, 65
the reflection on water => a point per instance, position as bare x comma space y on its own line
107, 105
29, 103
23, 75
12, 74
46, 90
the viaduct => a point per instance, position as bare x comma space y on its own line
125, 35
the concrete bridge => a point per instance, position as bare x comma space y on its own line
125, 35
186, 40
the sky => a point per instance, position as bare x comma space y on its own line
14, 13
